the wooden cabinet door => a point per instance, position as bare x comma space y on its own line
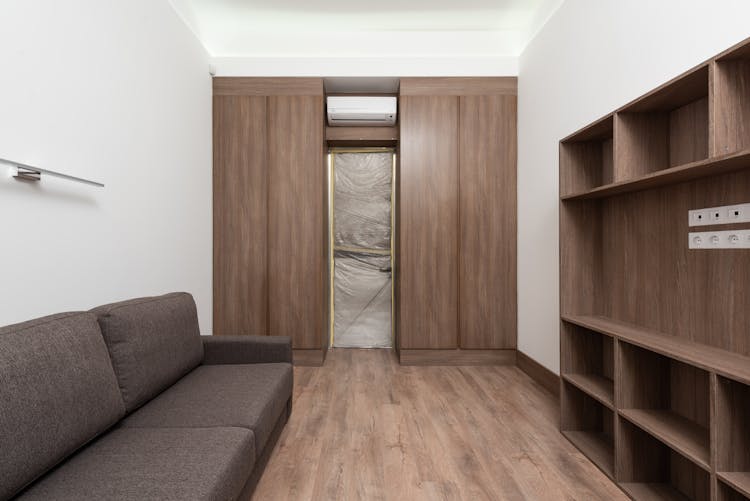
487, 208
297, 263
428, 223
239, 216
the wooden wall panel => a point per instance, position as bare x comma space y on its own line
267, 86
688, 133
652, 279
428, 230
297, 297
487, 213
239, 215
458, 86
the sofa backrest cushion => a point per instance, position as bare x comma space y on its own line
57, 392
152, 342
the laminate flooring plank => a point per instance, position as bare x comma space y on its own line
365, 428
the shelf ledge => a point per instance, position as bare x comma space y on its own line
724, 363
597, 387
688, 172
596, 448
737, 480
682, 435
651, 491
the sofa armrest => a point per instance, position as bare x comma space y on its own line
219, 350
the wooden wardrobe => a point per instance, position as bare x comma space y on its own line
456, 245
455, 273
270, 226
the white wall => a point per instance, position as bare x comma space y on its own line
382, 66
116, 91
592, 57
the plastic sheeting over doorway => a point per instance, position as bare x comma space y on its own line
362, 274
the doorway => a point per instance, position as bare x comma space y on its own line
361, 230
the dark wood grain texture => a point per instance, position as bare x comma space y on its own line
731, 428
377, 134
580, 256
652, 278
681, 90
641, 144
678, 318
240, 217
539, 373
458, 86
457, 357
297, 261
309, 358
365, 427
727, 363
731, 110
428, 223
589, 425
587, 159
267, 86
587, 362
487, 218
688, 172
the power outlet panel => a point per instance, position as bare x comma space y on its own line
728, 214
731, 239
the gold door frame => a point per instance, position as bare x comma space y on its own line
331, 186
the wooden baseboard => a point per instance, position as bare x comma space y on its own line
457, 357
539, 373
309, 358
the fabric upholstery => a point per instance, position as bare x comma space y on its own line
163, 464
249, 396
57, 392
246, 349
152, 342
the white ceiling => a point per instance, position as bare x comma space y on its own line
272, 28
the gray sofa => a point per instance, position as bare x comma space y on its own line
129, 401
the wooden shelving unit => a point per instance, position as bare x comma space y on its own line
654, 338
589, 425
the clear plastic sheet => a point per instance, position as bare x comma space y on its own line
362, 242
362, 301
362, 200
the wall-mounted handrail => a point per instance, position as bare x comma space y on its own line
28, 173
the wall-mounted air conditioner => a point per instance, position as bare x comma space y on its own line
361, 110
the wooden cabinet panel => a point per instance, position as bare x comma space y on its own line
428, 223
296, 219
487, 209
239, 215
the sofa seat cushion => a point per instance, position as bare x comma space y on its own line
154, 464
252, 396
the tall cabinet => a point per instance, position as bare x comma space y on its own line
270, 191
456, 245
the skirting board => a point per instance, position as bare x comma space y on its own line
457, 357
539, 373
309, 358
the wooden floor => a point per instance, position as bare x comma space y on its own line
364, 427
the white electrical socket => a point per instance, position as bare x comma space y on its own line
729, 239
728, 214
